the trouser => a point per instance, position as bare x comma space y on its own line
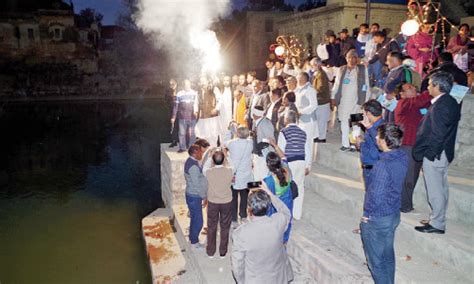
218, 214
322, 113
309, 128
345, 130
175, 132
186, 133
298, 173
260, 169
195, 211
435, 174
411, 178
378, 236
244, 193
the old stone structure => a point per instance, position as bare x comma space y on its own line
263, 27
53, 35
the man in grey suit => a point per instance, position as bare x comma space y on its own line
262, 131
435, 144
258, 253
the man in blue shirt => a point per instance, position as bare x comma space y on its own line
369, 152
382, 204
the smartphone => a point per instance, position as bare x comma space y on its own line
254, 184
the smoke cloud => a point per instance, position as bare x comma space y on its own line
183, 28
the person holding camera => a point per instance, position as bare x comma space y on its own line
240, 157
382, 204
369, 152
219, 200
258, 254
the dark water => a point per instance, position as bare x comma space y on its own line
75, 180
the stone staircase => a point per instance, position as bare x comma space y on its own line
324, 244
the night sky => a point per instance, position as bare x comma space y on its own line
111, 8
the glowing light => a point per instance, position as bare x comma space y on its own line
209, 47
410, 27
280, 50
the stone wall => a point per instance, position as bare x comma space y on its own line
172, 177
464, 155
339, 15
261, 30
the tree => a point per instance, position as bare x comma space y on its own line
90, 16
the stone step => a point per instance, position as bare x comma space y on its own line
326, 263
461, 182
346, 196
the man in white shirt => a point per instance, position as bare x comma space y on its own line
226, 102
349, 93
306, 103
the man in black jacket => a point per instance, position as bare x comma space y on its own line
435, 140
445, 63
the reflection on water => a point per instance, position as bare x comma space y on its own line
75, 180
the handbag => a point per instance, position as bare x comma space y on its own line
294, 189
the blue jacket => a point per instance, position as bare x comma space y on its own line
385, 183
369, 151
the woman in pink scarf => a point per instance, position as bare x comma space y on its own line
458, 46
419, 48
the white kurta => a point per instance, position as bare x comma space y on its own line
211, 128
225, 108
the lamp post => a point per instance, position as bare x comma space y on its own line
367, 12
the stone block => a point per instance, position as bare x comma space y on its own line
164, 253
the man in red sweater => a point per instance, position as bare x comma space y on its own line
408, 115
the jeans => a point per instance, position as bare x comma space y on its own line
244, 193
375, 74
186, 133
195, 210
378, 236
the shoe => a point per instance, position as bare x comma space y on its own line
429, 229
210, 256
353, 149
222, 256
345, 149
198, 246
173, 144
407, 210
181, 151
317, 140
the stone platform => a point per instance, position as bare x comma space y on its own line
322, 247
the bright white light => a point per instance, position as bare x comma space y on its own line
280, 50
410, 27
209, 47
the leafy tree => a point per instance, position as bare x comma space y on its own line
90, 16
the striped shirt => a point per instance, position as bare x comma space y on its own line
292, 141
185, 104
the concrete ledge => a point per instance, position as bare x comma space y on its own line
164, 253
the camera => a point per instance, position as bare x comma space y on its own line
254, 184
356, 117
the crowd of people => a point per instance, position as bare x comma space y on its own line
393, 103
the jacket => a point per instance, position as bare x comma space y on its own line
437, 131
258, 253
